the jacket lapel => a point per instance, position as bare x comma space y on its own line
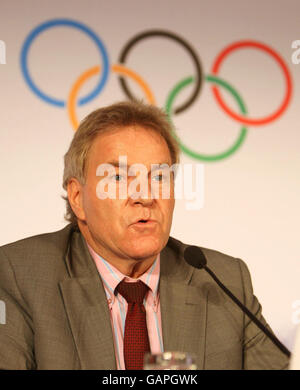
183, 306
86, 307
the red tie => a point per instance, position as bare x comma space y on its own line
136, 341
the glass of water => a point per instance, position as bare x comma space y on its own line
170, 361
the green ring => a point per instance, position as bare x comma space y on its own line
243, 132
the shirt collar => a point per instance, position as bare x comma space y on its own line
111, 276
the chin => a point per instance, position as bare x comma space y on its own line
145, 247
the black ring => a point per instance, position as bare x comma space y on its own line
151, 33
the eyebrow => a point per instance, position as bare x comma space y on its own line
117, 164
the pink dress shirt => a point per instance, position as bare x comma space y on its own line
111, 277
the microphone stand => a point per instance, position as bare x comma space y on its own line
249, 314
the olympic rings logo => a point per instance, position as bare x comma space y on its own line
122, 70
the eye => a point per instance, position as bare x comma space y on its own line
158, 177
117, 177
162, 177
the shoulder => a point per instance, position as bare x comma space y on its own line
54, 241
35, 251
212, 256
228, 268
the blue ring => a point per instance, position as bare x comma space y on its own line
70, 23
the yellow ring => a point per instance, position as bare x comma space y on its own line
71, 103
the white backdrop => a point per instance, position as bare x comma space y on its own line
251, 205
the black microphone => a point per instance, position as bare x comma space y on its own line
194, 256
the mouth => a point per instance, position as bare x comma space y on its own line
144, 223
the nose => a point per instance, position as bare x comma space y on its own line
139, 192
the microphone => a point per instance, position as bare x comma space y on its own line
194, 256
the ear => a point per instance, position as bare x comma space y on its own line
75, 196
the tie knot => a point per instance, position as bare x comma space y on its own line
133, 292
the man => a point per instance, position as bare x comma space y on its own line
67, 293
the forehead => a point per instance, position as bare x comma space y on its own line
139, 144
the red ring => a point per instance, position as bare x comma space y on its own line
279, 60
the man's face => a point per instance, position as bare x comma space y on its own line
110, 225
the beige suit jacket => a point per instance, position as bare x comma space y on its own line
57, 315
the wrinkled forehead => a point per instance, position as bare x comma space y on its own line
136, 144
